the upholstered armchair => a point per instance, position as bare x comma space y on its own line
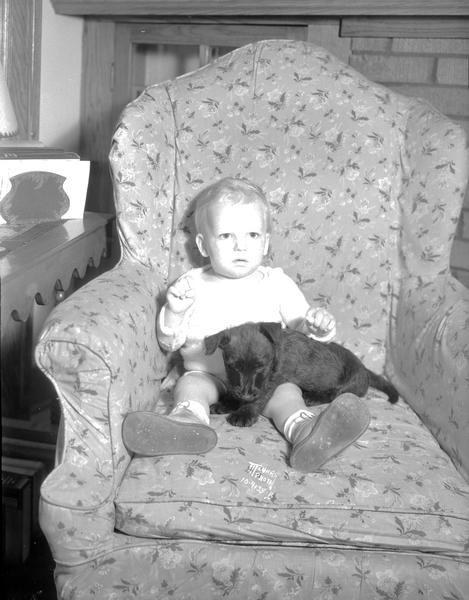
366, 187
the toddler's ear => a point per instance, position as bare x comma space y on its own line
267, 243
199, 240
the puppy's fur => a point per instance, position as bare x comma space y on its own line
260, 356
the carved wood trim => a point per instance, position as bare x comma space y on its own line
221, 35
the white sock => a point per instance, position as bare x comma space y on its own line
193, 406
295, 419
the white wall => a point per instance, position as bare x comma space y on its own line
61, 60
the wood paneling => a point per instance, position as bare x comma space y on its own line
326, 33
97, 115
20, 53
261, 7
436, 27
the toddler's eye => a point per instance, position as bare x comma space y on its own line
254, 235
224, 236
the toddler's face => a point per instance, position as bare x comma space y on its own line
235, 239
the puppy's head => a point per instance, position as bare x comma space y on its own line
249, 356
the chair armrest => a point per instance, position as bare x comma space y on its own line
428, 359
100, 351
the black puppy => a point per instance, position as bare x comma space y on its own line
260, 356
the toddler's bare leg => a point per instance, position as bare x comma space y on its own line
185, 430
317, 434
286, 400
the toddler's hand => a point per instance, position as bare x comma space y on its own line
180, 296
321, 324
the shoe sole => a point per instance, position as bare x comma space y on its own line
309, 455
151, 434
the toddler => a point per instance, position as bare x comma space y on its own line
233, 224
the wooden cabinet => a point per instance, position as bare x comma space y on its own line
39, 267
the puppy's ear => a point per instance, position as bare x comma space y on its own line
272, 331
213, 341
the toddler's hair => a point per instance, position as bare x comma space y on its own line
231, 190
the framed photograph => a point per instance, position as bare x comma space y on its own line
42, 189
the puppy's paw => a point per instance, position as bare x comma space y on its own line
219, 409
242, 418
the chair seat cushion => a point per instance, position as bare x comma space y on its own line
393, 489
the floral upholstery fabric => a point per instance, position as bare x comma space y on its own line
270, 572
365, 187
360, 498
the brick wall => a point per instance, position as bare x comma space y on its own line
436, 70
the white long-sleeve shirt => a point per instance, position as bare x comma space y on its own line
268, 294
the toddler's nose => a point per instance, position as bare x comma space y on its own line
240, 242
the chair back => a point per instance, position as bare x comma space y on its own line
325, 144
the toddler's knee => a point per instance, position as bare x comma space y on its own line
288, 389
193, 380
195, 385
